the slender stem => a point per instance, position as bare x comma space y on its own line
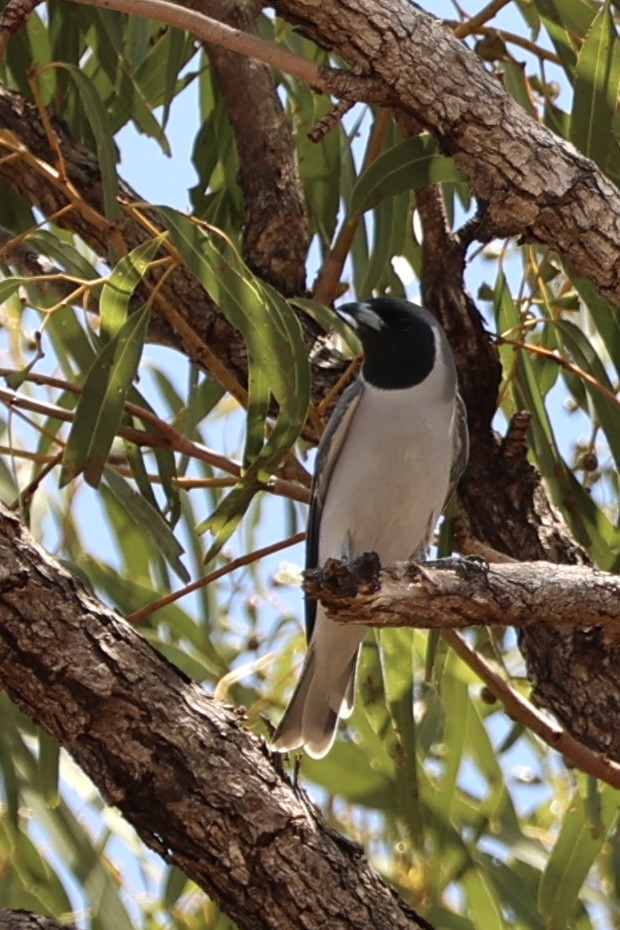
521, 710
213, 576
217, 33
475, 22
164, 433
554, 356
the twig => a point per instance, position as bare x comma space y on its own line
324, 79
165, 433
554, 356
511, 39
213, 576
330, 120
520, 709
473, 25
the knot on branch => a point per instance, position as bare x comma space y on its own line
343, 580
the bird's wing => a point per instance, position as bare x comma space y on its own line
460, 445
327, 456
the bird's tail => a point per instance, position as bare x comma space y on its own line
311, 718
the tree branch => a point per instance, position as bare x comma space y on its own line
536, 185
25, 920
197, 787
468, 594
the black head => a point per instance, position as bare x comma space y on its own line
400, 341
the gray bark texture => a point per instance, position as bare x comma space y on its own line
24, 920
198, 788
462, 595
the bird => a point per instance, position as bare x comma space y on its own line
389, 458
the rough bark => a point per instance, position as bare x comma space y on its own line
198, 788
535, 185
24, 920
465, 594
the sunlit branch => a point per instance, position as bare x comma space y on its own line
475, 22
458, 594
324, 79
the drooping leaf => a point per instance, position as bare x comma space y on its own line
572, 856
409, 164
597, 79
118, 289
100, 407
149, 518
100, 126
269, 327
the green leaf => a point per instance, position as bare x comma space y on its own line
604, 316
319, 162
115, 77
100, 407
149, 518
329, 322
176, 882
397, 659
410, 164
516, 83
567, 24
118, 289
597, 78
580, 348
223, 522
9, 285
482, 902
269, 327
572, 857
588, 522
100, 125
381, 251
49, 763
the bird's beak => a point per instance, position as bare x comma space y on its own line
360, 314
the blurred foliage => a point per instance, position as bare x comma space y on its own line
473, 819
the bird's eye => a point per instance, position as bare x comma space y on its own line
402, 322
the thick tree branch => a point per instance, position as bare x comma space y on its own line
25, 920
198, 788
536, 185
468, 594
